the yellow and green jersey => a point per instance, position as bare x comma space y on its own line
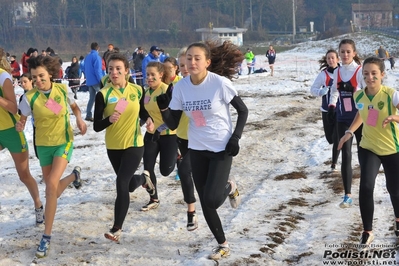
126, 132
7, 119
381, 141
150, 103
51, 115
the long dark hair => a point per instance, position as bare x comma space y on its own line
225, 57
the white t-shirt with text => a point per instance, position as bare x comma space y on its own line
207, 107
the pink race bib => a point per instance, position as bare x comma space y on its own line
53, 106
198, 118
147, 99
348, 104
121, 105
372, 117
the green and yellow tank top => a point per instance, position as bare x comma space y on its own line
150, 103
126, 132
51, 115
7, 119
381, 141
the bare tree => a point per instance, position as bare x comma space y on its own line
259, 7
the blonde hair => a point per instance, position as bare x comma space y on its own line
3, 61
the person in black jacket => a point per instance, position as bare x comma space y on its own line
138, 57
73, 76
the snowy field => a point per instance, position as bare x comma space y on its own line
289, 213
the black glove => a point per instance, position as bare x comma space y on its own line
163, 101
331, 115
155, 136
232, 147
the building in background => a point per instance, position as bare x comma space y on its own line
372, 15
24, 12
233, 34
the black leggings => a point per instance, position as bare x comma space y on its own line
166, 147
331, 134
346, 152
370, 165
210, 174
184, 171
125, 163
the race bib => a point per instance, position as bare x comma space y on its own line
147, 99
53, 106
372, 117
347, 104
198, 118
121, 105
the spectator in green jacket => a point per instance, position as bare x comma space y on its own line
249, 56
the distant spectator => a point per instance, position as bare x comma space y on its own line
382, 53
163, 56
152, 56
44, 52
138, 57
249, 56
110, 49
34, 53
81, 66
253, 64
50, 51
93, 74
73, 76
24, 59
271, 57
15, 69
392, 62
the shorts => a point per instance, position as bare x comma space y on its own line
47, 153
13, 140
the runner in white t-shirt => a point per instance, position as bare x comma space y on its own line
205, 98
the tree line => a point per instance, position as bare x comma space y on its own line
74, 23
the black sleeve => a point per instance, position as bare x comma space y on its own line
99, 123
143, 112
242, 112
171, 118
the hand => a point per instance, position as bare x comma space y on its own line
232, 147
331, 115
323, 91
81, 125
155, 136
163, 101
20, 125
388, 120
149, 124
344, 139
114, 117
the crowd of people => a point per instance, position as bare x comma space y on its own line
124, 104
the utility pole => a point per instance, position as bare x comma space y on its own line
293, 22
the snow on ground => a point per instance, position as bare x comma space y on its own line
289, 213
